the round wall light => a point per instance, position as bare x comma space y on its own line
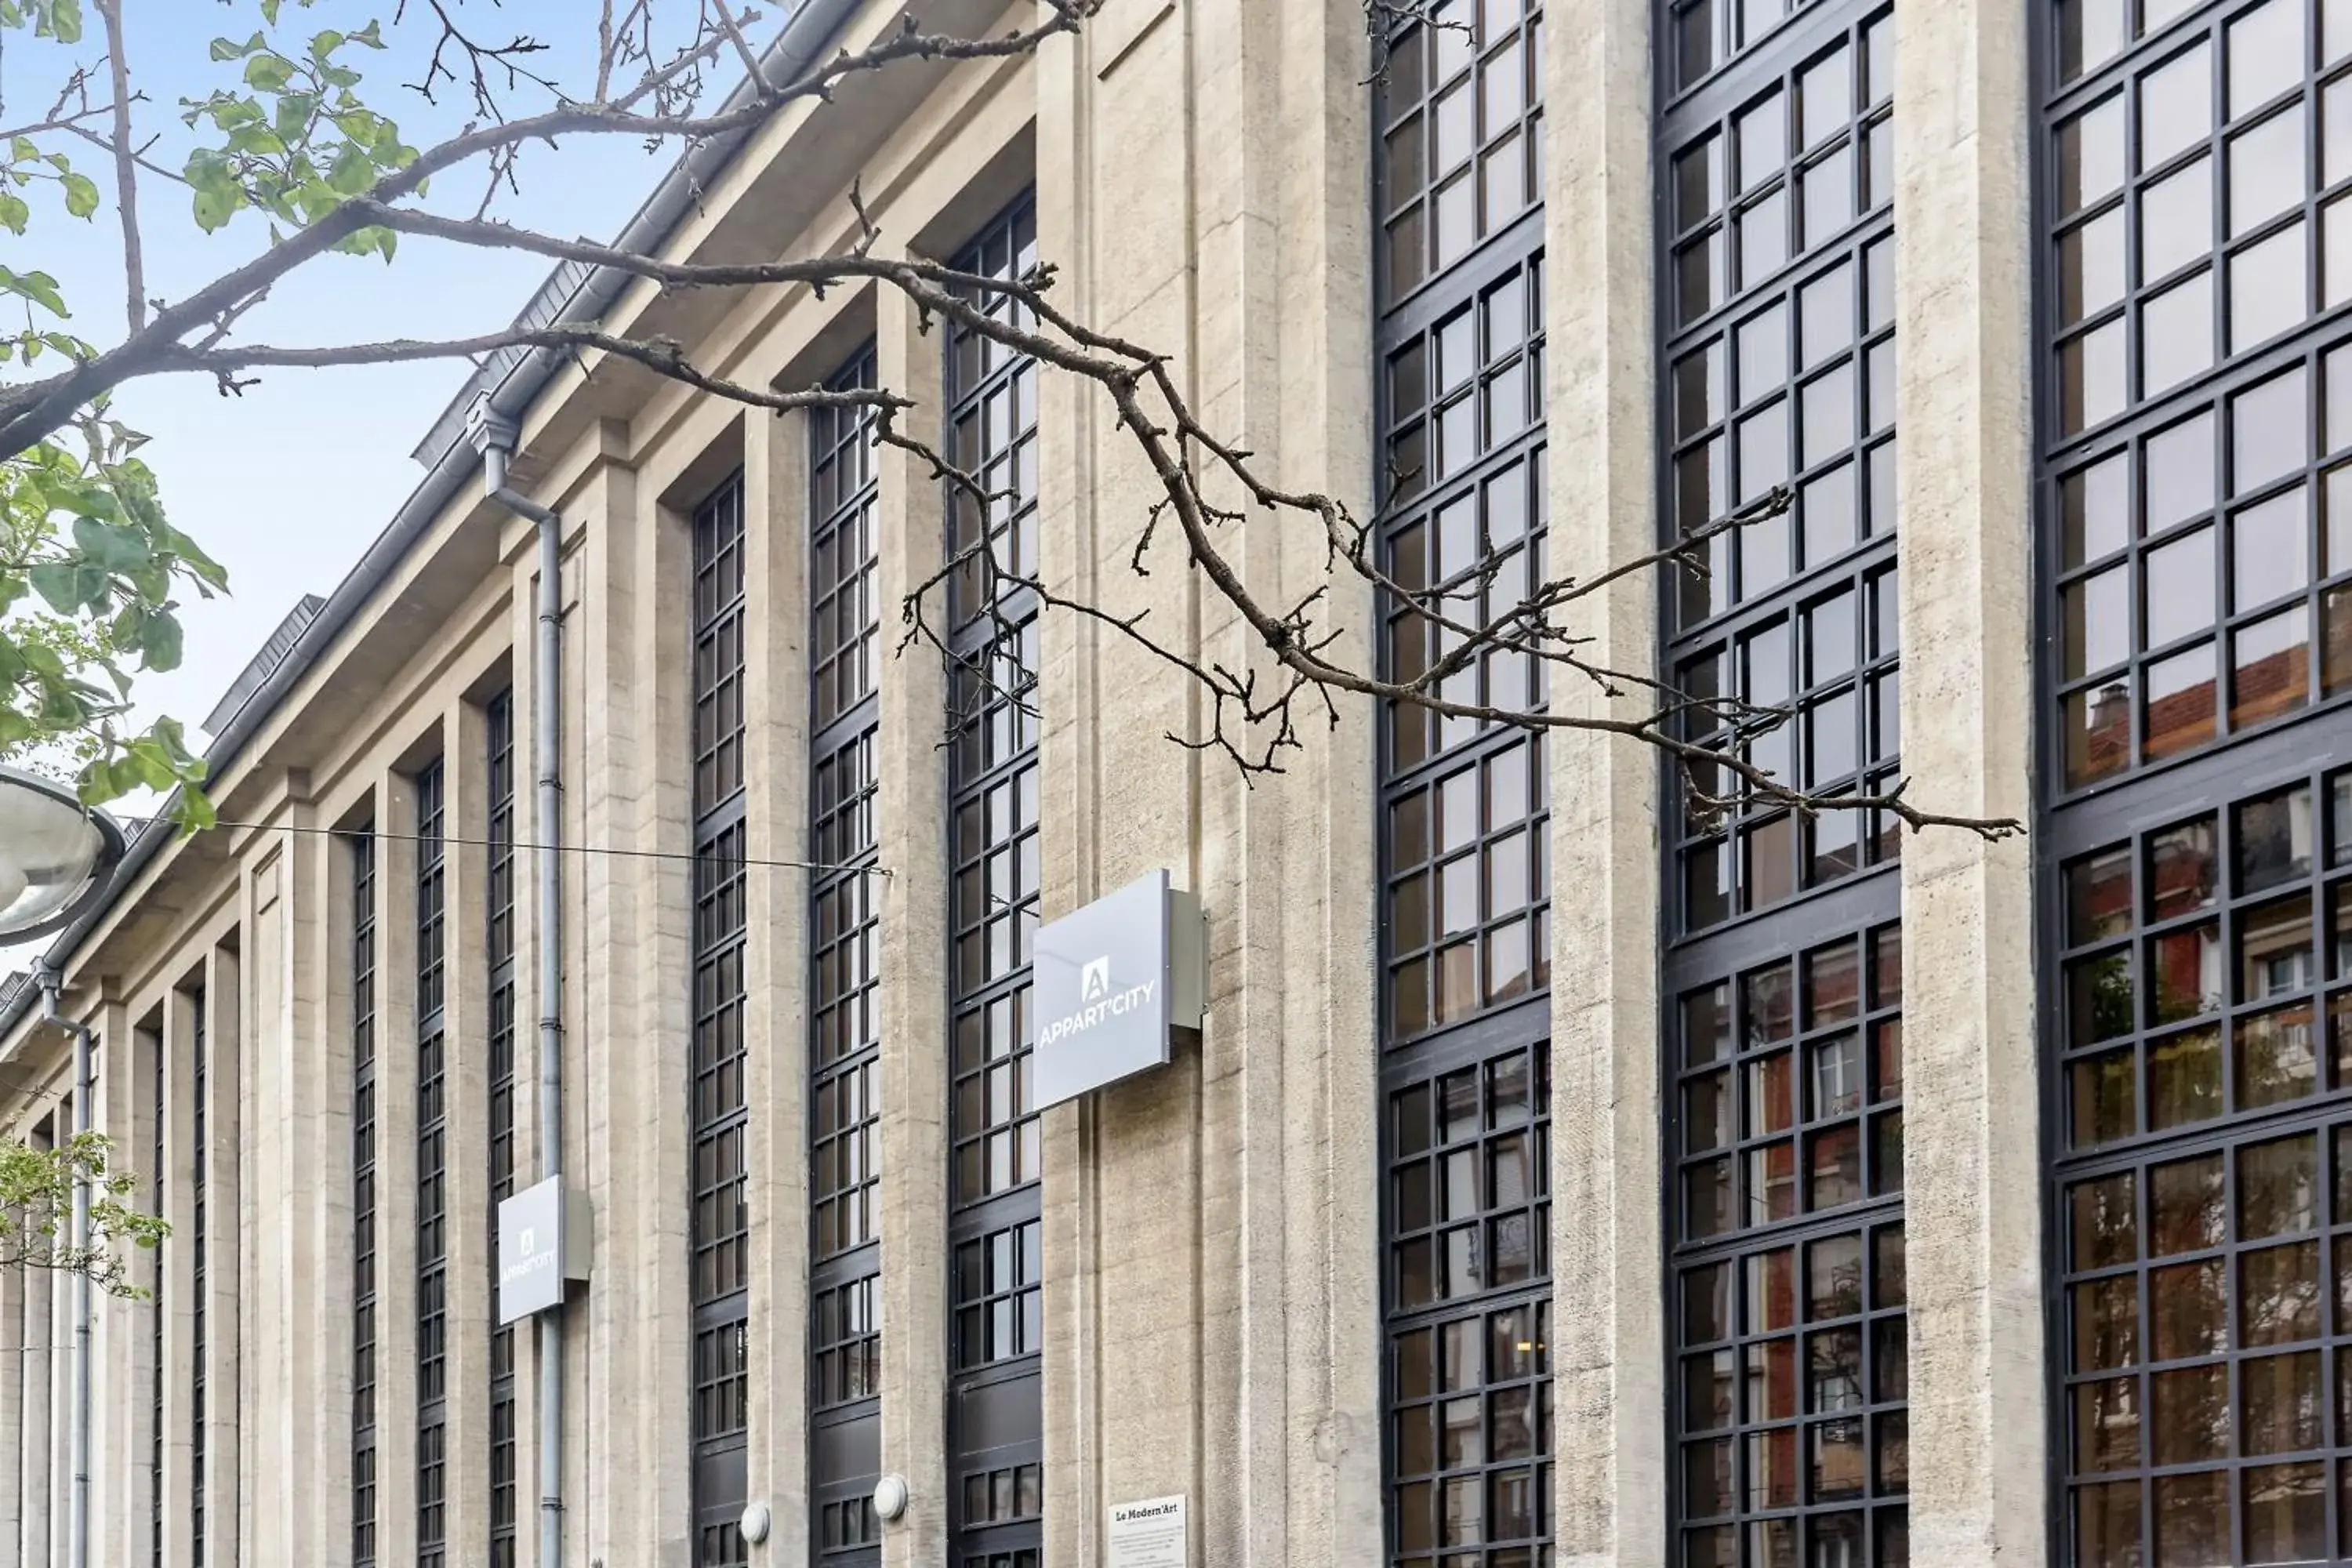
890, 1497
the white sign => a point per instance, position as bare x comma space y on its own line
1112, 981
1147, 1534
543, 1244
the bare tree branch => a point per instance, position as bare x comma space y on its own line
979, 611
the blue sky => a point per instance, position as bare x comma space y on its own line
287, 484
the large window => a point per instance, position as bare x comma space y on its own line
199, 1165
720, 1230
2208, 1170
157, 1040
361, 847
432, 1174
498, 960
995, 1423
1783, 1035
2195, 581
845, 1254
1465, 1062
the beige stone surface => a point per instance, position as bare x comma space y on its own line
1973, 1149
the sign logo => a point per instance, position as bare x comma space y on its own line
527, 1242
1094, 978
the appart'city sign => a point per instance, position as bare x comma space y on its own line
1098, 1002
1113, 982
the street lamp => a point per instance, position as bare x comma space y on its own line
57, 855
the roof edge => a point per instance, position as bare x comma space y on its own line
512, 386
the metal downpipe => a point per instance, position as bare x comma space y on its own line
496, 440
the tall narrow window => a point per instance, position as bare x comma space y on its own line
2194, 557
499, 958
361, 847
199, 1162
1782, 1040
995, 1423
1465, 921
432, 1181
721, 1227
157, 1043
845, 1254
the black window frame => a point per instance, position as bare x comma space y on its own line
1842, 886
359, 844
845, 1037
2231, 764
995, 1409
1463, 812
718, 1110
430, 783
498, 966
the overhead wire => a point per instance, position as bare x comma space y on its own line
385, 834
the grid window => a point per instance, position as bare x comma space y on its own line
1780, 373
1470, 1391
1460, 117
1782, 1051
1701, 36
155, 1345
1465, 811
361, 847
718, 648
432, 1174
1792, 1432
1000, 1311
847, 1525
499, 958
845, 1039
844, 625
720, 1230
992, 428
845, 1332
2198, 193
2204, 572
994, 1396
2201, 956
1828, 662
2206, 1326
199, 1163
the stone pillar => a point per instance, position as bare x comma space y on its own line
909, 814
776, 969
224, 1278
395, 1171
1608, 1352
465, 1097
630, 1333
1201, 185
1973, 1155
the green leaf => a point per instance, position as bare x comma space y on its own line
38, 286
353, 171
294, 112
81, 194
214, 208
55, 581
110, 547
269, 72
325, 44
159, 644
13, 212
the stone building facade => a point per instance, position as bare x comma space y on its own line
1558, 1179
